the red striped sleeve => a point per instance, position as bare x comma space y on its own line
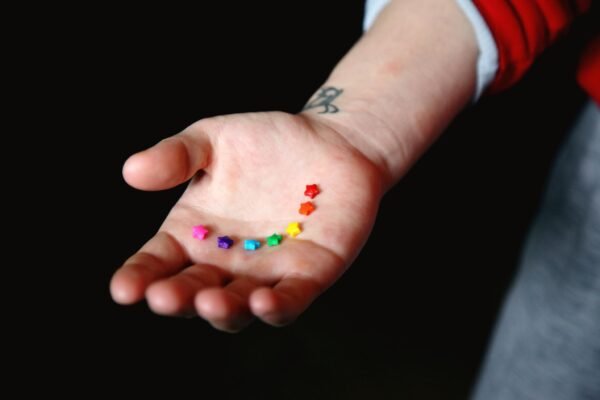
522, 29
588, 73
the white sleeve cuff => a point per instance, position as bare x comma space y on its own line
487, 61
372, 10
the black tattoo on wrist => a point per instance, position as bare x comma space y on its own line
324, 98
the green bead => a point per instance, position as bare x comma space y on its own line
274, 240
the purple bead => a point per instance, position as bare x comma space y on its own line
224, 242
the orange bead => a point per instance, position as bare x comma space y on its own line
306, 208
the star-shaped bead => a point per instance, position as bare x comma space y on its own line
306, 208
251, 244
311, 191
224, 242
199, 232
274, 240
293, 229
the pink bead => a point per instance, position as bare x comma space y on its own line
199, 232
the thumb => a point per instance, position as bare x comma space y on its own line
169, 162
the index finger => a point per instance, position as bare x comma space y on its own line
160, 257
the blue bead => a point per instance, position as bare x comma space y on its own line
251, 244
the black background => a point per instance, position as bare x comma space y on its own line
411, 317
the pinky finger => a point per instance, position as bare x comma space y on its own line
283, 303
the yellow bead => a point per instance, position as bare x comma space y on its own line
293, 229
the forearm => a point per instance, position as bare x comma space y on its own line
403, 82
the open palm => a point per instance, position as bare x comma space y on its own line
248, 174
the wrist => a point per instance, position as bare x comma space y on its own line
402, 83
368, 133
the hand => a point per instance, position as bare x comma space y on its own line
248, 175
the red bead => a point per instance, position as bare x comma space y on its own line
311, 191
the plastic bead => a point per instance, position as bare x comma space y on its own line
293, 229
251, 244
199, 232
224, 242
306, 208
274, 240
311, 191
